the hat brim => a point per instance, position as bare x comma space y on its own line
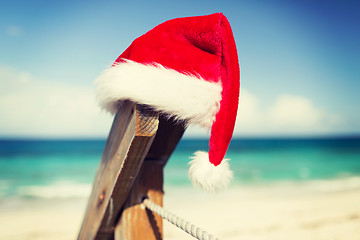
179, 95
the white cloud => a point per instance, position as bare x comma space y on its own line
248, 109
294, 111
33, 107
286, 115
13, 30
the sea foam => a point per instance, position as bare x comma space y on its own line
60, 189
335, 185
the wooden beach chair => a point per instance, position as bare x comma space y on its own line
138, 146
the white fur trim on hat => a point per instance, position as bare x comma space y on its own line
179, 95
208, 176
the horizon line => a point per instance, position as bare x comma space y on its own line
245, 137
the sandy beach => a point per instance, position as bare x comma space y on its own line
276, 212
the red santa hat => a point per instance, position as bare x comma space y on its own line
186, 68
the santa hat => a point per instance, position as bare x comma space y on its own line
186, 68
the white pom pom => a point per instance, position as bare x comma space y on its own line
209, 177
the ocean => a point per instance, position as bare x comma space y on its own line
47, 169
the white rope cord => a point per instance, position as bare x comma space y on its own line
186, 226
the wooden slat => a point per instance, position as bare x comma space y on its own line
167, 137
130, 138
135, 221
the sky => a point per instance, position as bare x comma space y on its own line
299, 63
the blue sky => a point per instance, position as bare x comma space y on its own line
299, 61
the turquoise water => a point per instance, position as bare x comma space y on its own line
66, 168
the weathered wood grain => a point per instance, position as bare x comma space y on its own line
135, 221
167, 137
130, 138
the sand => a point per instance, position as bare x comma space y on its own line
276, 212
